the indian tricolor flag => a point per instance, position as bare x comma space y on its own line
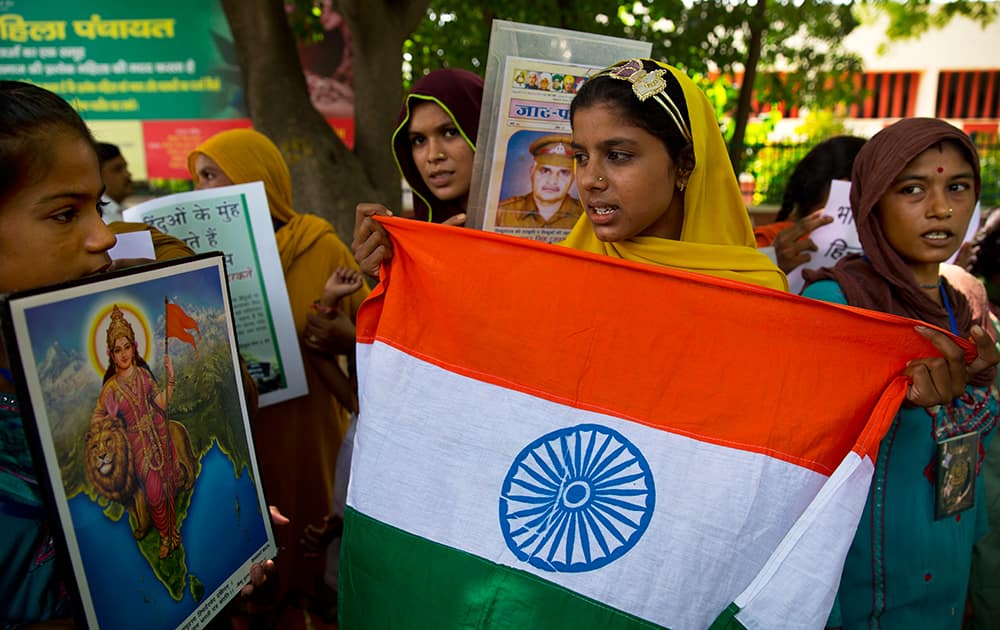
555, 439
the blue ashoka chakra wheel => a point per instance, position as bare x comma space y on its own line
576, 499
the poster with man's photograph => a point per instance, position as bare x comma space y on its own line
531, 191
132, 396
538, 188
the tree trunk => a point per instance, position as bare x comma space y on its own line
378, 29
329, 180
758, 22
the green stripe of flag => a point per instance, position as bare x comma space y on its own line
392, 579
727, 620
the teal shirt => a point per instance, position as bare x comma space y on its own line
904, 569
984, 585
30, 588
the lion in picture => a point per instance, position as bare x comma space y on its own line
110, 467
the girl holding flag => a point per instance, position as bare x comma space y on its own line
914, 188
658, 188
655, 179
652, 205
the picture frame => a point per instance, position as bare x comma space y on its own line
152, 487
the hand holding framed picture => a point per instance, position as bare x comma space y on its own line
130, 393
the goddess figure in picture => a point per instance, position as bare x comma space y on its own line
131, 396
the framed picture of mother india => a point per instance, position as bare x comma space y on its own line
131, 396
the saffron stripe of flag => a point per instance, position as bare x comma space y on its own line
551, 437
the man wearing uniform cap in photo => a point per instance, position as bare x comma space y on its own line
548, 204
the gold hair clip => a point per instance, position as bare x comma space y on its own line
646, 85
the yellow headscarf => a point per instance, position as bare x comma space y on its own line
245, 155
717, 237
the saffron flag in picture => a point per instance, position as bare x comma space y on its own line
551, 438
179, 324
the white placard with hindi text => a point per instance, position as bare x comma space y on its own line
833, 240
970, 232
236, 221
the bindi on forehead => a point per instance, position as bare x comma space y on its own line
940, 169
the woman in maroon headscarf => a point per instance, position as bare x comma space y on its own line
435, 141
434, 146
914, 187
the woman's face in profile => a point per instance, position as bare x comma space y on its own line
208, 174
50, 227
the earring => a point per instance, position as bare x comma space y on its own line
681, 186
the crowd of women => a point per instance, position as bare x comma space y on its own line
657, 188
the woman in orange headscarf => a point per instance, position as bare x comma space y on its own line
296, 440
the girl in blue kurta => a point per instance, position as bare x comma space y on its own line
30, 584
914, 188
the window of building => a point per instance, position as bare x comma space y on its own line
885, 95
969, 94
